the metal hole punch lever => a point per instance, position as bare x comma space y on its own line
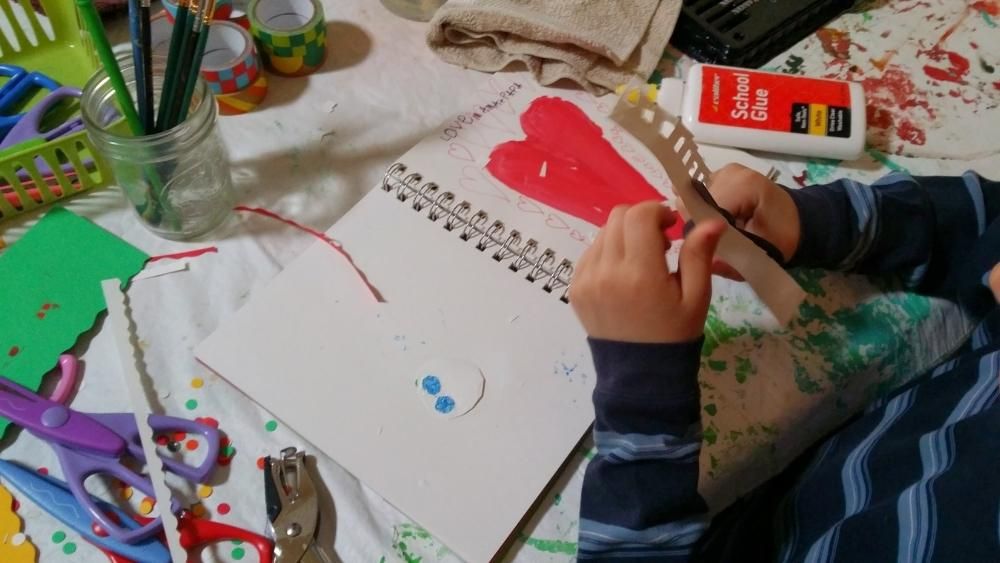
292, 508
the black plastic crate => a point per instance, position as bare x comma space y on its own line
749, 33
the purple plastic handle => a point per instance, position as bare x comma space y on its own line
78, 466
124, 425
56, 423
28, 127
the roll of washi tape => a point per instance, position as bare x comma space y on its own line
245, 100
239, 14
291, 34
230, 61
223, 9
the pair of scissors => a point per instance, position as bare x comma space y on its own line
97, 444
764, 244
27, 132
55, 498
292, 508
19, 88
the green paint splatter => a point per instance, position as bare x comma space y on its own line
810, 280
711, 409
412, 534
866, 17
557, 499
882, 159
986, 18
58, 536
805, 383
717, 365
821, 169
271, 425
744, 369
550, 546
69, 548
793, 65
191, 404
238, 553
710, 434
717, 332
382, 560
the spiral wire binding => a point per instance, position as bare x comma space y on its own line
519, 254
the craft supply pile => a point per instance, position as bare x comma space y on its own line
251, 212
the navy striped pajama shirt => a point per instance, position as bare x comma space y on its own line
914, 478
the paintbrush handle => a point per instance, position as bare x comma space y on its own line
177, 38
92, 22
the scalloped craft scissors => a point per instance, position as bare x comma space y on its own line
95, 444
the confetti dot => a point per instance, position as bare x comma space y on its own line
199, 510
58, 536
444, 404
146, 506
14, 350
43, 470
207, 421
197, 383
69, 548
191, 445
271, 425
191, 404
260, 463
127, 493
228, 451
238, 553
224, 509
205, 491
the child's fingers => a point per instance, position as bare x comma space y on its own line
696, 259
722, 268
644, 239
614, 234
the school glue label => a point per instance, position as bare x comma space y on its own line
770, 111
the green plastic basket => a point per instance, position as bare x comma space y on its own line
62, 52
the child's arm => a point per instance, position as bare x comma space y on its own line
923, 229
640, 493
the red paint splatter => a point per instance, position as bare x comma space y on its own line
46, 306
911, 133
14, 350
835, 42
321, 236
40, 315
224, 509
894, 90
957, 70
43, 470
184, 254
14, 505
802, 178
997, 84
584, 175
162, 440
991, 7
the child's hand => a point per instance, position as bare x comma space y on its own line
759, 205
623, 290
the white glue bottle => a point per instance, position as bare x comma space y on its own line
768, 111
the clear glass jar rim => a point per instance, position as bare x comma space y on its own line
190, 132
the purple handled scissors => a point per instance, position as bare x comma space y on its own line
29, 128
94, 444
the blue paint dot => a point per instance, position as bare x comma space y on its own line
444, 404
431, 384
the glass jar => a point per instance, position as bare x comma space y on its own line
178, 181
417, 10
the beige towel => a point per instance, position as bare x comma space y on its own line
599, 44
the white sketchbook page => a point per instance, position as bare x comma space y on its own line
346, 364
339, 369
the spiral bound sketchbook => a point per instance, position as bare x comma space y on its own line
459, 397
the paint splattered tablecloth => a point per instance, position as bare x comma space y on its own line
318, 143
